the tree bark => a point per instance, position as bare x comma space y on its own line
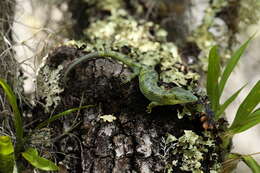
163, 34
135, 141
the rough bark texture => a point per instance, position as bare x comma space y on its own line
135, 141
158, 33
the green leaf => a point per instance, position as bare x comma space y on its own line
32, 156
223, 107
17, 115
231, 65
252, 120
247, 106
6, 154
230, 163
212, 78
6, 146
57, 116
251, 163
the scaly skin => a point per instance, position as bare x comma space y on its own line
148, 79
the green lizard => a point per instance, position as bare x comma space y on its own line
148, 79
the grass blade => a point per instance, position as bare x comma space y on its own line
57, 116
231, 65
212, 78
251, 163
247, 106
223, 107
252, 120
230, 163
17, 118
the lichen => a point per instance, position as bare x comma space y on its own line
146, 40
42, 137
191, 148
48, 86
184, 112
108, 5
212, 31
249, 13
108, 118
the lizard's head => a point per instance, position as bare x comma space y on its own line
185, 96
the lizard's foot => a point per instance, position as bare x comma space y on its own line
135, 73
151, 106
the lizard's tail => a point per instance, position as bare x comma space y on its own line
105, 54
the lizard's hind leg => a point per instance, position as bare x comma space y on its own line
136, 72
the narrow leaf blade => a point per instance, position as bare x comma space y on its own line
57, 116
248, 105
230, 163
31, 155
223, 107
252, 120
231, 64
17, 115
251, 163
212, 78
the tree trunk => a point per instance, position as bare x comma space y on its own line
171, 138
117, 134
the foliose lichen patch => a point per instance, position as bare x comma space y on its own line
212, 31
190, 149
48, 86
145, 40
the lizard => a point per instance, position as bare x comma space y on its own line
148, 80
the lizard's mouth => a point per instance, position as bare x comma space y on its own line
189, 97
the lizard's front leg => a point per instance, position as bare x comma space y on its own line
151, 106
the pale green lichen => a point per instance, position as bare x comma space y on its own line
185, 112
74, 43
149, 48
48, 86
249, 13
191, 148
213, 31
108, 5
108, 118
